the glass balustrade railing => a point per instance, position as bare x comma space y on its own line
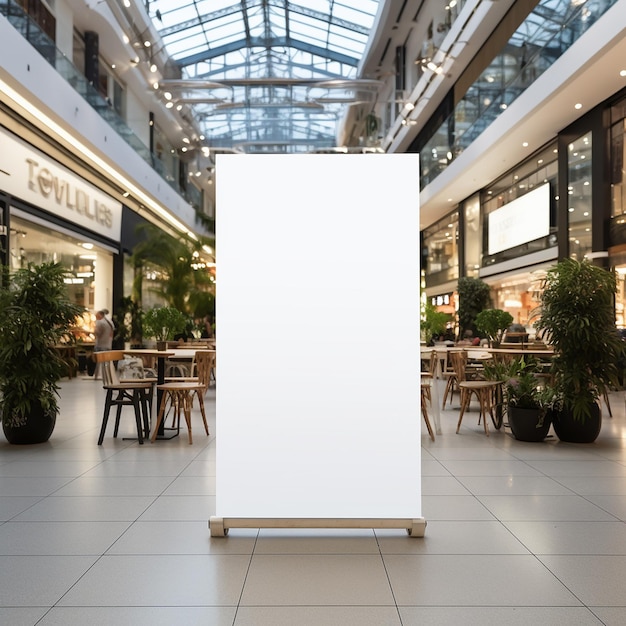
549, 30
47, 48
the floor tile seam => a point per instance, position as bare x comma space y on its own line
616, 518
545, 520
245, 578
503, 525
549, 519
39, 499
558, 481
318, 553
567, 521
473, 497
578, 607
332, 605
592, 611
540, 495
387, 575
547, 568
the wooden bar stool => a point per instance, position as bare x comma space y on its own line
484, 390
178, 395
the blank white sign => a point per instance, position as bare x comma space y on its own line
318, 402
520, 221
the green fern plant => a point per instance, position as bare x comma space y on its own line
35, 316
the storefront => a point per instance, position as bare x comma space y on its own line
49, 214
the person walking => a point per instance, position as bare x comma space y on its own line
103, 333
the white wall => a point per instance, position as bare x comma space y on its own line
64, 29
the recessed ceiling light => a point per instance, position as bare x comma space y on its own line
525, 144
578, 105
622, 73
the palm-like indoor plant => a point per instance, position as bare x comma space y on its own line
35, 316
577, 318
163, 323
493, 324
433, 323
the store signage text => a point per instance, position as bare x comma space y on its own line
440, 300
51, 186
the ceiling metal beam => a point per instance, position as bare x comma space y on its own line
262, 42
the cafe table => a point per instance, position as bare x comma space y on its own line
504, 354
161, 356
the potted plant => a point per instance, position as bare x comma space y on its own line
524, 395
529, 404
493, 324
577, 318
433, 323
474, 296
163, 323
35, 316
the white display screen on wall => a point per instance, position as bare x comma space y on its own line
520, 221
318, 407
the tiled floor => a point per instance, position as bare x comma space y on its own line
517, 533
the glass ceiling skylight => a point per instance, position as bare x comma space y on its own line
266, 75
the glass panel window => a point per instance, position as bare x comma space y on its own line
441, 242
618, 154
313, 41
579, 196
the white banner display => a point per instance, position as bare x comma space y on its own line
318, 400
520, 221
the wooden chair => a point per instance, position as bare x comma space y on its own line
454, 373
483, 390
202, 369
177, 397
426, 399
136, 393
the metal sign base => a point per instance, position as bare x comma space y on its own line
220, 526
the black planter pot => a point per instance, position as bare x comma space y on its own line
576, 431
37, 429
526, 424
